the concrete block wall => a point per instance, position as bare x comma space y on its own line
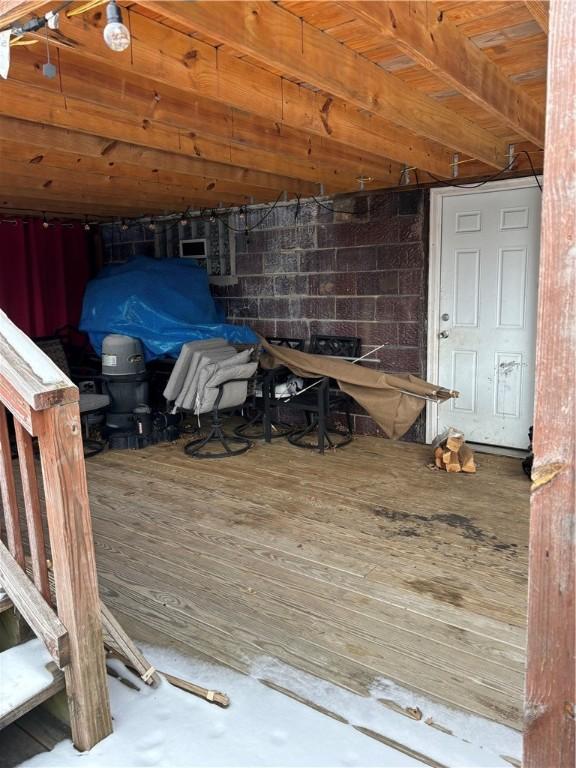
356, 267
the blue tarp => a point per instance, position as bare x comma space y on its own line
162, 302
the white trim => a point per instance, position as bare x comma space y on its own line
437, 195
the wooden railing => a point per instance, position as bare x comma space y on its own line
44, 404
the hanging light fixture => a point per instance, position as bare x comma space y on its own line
116, 34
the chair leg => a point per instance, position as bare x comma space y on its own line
262, 425
91, 446
349, 420
267, 418
321, 421
217, 435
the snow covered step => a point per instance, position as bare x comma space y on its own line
28, 676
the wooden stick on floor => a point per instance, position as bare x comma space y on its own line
204, 693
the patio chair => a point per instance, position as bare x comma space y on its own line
319, 398
211, 377
93, 402
255, 426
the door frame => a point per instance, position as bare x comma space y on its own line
437, 195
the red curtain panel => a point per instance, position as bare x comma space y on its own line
43, 273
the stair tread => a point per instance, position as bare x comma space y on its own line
5, 601
28, 676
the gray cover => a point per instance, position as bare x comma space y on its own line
234, 392
200, 360
206, 372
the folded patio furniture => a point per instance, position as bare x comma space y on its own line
182, 365
200, 369
212, 379
394, 401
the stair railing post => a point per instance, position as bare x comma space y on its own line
74, 565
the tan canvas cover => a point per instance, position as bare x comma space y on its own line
393, 400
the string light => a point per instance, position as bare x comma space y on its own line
116, 34
45, 222
213, 215
86, 224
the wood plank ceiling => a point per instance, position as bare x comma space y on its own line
238, 102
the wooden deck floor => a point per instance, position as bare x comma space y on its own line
353, 566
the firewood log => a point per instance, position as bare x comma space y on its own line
453, 464
438, 453
466, 456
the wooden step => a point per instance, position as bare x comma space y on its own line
5, 601
28, 676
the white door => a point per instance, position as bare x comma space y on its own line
487, 326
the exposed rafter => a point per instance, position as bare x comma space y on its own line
237, 101
436, 44
12, 11
78, 115
540, 10
113, 152
278, 39
171, 58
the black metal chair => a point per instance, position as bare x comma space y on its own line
256, 427
92, 402
319, 398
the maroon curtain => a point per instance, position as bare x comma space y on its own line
43, 273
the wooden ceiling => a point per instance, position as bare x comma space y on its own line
238, 102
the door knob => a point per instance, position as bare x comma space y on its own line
443, 335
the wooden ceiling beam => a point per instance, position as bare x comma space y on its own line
58, 170
33, 189
277, 38
437, 44
100, 83
75, 114
540, 11
12, 11
12, 204
58, 180
174, 59
44, 137
104, 168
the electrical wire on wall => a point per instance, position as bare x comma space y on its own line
177, 219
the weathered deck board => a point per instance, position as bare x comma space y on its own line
359, 565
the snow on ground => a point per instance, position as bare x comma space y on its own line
263, 727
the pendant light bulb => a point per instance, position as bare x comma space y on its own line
116, 34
